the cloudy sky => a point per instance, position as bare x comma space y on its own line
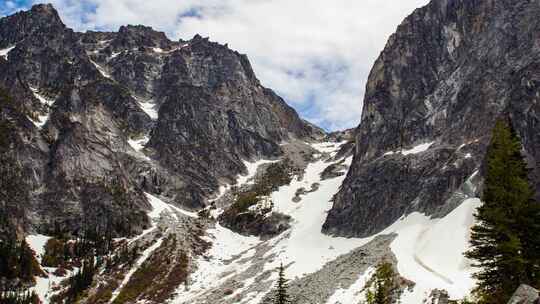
315, 53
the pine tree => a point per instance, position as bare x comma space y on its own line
282, 297
505, 239
382, 285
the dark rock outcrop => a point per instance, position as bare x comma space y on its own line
432, 98
195, 109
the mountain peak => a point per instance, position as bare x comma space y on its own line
44, 8
140, 35
41, 18
46, 14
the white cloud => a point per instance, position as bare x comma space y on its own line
316, 54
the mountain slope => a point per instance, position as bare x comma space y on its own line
451, 69
130, 132
131, 110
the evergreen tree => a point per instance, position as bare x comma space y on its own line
17, 264
19, 297
505, 239
282, 297
82, 280
382, 285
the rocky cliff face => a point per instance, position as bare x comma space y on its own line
451, 69
103, 114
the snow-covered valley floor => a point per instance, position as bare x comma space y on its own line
242, 269
428, 251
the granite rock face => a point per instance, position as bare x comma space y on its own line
451, 69
102, 113
525, 295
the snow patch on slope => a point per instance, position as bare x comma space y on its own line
252, 170
355, 292
149, 107
414, 150
138, 145
306, 247
4, 52
430, 252
47, 102
210, 269
101, 70
243, 179
37, 244
159, 206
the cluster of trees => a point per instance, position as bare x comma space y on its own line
17, 264
19, 297
81, 280
61, 250
123, 255
506, 239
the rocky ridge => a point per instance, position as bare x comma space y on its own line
432, 98
132, 110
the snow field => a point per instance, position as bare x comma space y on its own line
428, 251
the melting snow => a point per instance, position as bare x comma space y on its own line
417, 149
252, 170
149, 107
41, 98
37, 244
162, 51
42, 119
138, 144
100, 69
159, 206
414, 150
44, 286
115, 54
328, 147
4, 52
243, 179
